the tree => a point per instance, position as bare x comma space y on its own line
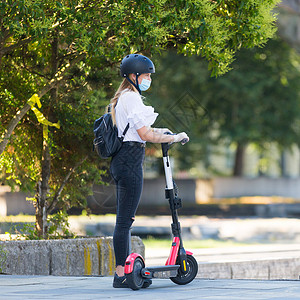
257, 102
54, 48
215, 30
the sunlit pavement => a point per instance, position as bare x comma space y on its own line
50, 287
285, 231
230, 254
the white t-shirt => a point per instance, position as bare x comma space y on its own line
131, 109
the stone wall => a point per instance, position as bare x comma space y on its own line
75, 257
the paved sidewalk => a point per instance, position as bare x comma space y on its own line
52, 287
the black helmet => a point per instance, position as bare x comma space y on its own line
136, 64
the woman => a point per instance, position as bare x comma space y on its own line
126, 167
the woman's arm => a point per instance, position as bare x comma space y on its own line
153, 135
149, 135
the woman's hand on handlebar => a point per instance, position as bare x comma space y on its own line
181, 137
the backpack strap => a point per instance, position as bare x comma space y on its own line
126, 128
124, 132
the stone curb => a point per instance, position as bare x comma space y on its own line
76, 257
272, 269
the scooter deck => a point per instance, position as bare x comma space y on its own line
160, 271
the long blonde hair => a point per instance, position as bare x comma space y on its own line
125, 84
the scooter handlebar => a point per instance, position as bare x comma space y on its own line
183, 141
166, 146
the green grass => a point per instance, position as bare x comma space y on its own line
192, 244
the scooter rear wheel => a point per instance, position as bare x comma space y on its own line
182, 278
134, 279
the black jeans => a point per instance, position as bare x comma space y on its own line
127, 171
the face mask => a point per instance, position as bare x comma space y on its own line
145, 84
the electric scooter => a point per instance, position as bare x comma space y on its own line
180, 266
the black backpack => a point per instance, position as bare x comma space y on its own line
106, 142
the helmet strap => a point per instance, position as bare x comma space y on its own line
136, 85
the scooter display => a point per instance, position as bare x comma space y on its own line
180, 266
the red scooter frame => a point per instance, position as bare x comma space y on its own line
181, 264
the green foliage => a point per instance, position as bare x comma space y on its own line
39, 38
110, 29
257, 102
28, 232
58, 228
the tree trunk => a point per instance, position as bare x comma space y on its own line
42, 208
283, 164
43, 187
239, 160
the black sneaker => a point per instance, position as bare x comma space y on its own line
147, 283
120, 282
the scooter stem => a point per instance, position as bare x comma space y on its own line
177, 253
165, 148
167, 166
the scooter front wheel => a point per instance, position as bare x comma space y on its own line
134, 279
192, 267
